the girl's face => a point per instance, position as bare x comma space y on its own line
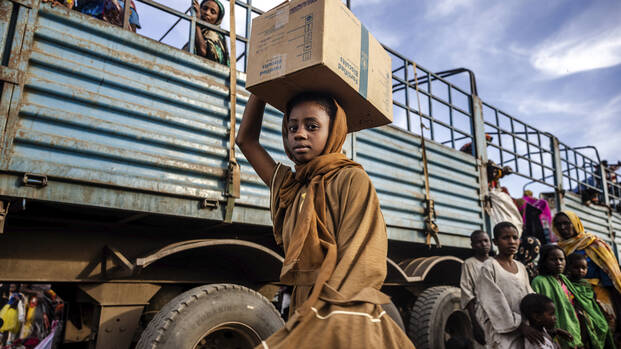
507, 241
308, 128
564, 226
555, 262
578, 269
210, 12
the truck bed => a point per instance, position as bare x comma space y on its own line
114, 120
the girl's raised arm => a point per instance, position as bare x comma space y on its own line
248, 139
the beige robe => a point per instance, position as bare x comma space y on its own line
470, 271
499, 293
348, 313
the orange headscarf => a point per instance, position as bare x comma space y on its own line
312, 252
596, 249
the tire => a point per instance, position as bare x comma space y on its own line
223, 316
392, 311
436, 317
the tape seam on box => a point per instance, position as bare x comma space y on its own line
364, 61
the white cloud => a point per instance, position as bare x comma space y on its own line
446, 7
361, 3
572, 54
577, 122
591, 39
539, 106
604, 129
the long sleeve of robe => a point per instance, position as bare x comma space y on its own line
470, 271
500, 293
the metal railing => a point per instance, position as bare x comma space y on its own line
580, 173
445, 108
448, 118
193, 19
613, 180
527, 150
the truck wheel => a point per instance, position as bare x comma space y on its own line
436, 317
221, 316
392, 311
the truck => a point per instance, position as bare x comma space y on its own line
120, 185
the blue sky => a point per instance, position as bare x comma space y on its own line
555, 65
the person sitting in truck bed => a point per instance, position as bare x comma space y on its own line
67, 3
110, 11
210, 43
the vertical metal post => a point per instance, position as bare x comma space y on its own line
602, 173
233, 175
429, 107
558, 174
127, 4
248, 21
611, 234
350, 146
480, 143
450, 100
406, 65
192, 42
349, 4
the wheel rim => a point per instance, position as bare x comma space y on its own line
230, 335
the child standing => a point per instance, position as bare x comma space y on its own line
552, 283
541, 314
589, 312
500, 288
327, 217
470, 271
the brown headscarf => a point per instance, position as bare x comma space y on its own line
311, 255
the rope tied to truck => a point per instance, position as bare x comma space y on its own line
233, 177
431, 228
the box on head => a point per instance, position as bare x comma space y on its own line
318, 45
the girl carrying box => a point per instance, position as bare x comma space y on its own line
327, 217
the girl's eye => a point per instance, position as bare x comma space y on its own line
313, 127
292, 128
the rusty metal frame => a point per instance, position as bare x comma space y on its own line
26, 3
19, 54
4, 210
127, 267
144, 262
11, 75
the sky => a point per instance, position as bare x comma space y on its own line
555, 65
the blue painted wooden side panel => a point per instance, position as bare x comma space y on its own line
594, 218
119, 121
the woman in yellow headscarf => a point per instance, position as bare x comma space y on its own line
603, 268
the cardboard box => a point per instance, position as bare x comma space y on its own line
319, 45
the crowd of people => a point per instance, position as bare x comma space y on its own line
29, 316
572, 302
209, 43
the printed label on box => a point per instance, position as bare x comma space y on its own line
300, 6
272, 65
281, 18
349, 70
304, 35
